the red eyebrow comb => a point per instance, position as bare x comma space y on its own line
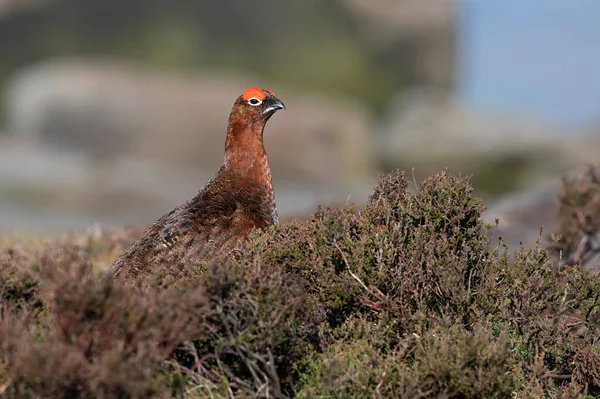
255, 92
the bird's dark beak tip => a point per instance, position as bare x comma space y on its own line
274, 107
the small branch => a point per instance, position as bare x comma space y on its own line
414, 179
5, 386
589, 312
202, 360
375, 293
558, 376
469, 284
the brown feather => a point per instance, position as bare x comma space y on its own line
237, 199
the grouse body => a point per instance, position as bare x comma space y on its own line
237, 199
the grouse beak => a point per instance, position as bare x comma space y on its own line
276, 105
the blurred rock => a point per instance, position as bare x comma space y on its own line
303, 44
526, 216
531, 216
107, 109
430, 130
426, 29
120, 144
8, 7
49, 190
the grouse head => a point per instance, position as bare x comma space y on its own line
244, 149
254, 107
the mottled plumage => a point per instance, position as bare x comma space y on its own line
238, 198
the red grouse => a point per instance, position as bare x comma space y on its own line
238, 198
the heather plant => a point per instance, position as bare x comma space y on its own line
95, 338
578, 238
406, 297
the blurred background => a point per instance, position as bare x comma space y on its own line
114, 112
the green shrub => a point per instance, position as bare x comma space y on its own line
403, 298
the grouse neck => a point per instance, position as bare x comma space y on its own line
245, 153
245, 157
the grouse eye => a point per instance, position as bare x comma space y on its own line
254, 101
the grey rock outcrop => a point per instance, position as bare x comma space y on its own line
121, 144
531, 216
431, 129
426, 29
106, 110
